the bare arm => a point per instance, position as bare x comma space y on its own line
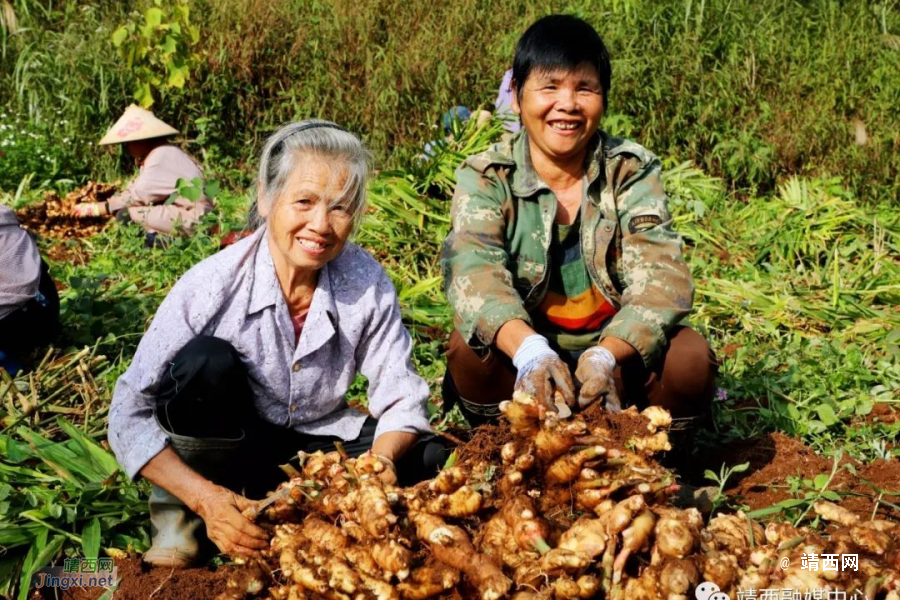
219, 507
394, 444
391, 445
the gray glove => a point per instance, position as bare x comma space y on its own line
595, 377
542, 373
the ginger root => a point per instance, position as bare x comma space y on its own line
451, 545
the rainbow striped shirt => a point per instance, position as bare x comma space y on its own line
573, 312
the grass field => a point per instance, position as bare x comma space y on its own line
778, 124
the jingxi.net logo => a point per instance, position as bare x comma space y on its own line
710, 591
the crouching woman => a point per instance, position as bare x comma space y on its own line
251, 354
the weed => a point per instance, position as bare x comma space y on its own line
720, 479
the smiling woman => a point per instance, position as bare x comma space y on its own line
562, 256
252, 352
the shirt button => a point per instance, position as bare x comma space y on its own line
294, 408
608, 227
296, 366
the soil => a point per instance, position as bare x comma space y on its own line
51, 217
776, 456
141, 582
70, 251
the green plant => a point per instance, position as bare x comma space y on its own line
809, 491
34, 150
157, 47
720, 479
63, 494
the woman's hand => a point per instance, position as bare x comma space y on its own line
387, 448
229, 530
90, 209
541, 373
389, 475
595, 376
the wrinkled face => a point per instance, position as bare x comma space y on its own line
561, 110
307, 222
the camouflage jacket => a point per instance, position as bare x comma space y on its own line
495, 260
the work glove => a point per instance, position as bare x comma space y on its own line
542, 373
90, 209
595, 378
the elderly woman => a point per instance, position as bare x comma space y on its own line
251, 354
146, 200
562, 255
29, 304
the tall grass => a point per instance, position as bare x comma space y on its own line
752, 91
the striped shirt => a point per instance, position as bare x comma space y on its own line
573, 312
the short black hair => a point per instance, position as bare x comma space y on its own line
561, 42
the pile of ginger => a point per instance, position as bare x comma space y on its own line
568, 513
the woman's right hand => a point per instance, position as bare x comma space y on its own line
229, 530
541, 373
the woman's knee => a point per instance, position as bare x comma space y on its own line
689, 372
206, 390
480, 379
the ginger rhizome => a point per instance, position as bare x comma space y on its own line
553, 509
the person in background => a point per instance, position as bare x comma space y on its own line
29, 303
250, 357
452, 122
503, 105
146, 200
562, 257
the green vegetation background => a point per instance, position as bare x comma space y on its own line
778, 122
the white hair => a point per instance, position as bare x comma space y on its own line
320, 139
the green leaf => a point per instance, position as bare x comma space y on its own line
102, 459
40, 553
90, 539
144, 95
177, 76
764, 512
711, 475
108, 594
212, 189
8, 565
826, 414
170, 46
153, 17
820, 481
189, 190
119, 36
740, 468
451, 460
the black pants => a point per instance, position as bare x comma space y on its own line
34, 324
206, 394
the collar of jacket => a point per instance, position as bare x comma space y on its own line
266, 289
524, 180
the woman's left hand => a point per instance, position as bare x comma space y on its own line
389, 475
90, 209
595, 376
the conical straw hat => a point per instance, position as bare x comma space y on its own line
136, 124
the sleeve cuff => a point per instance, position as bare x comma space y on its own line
142, 449
489, 322
406, 422
118, 202
646, 339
